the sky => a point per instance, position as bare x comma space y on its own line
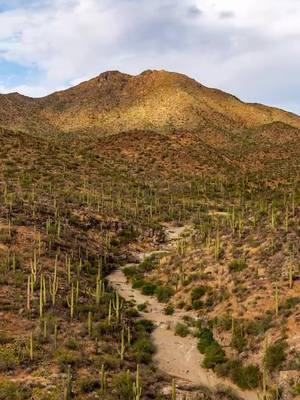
246, 47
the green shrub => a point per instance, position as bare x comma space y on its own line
8, 359
238, 340
245, 377
198, 292
130, 272
164, 293
87, 385
144, 349
169, 309
149, 289
237, 265
148, 264
142, 307
72, 344
181, 330
122, 383
214, 355
197, 304
132, 312
67, 357
144, 325
206, 338
291, 302
12, 391
138, 283
297, 388
4, 338
275, 355
259, 326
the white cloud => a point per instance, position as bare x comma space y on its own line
249, 48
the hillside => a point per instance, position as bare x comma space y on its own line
210, 131
154, 100
94, 181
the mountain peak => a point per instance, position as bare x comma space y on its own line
156, 100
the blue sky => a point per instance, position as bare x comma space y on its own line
248, 48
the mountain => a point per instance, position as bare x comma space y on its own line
209, 130
154, 100
153, 185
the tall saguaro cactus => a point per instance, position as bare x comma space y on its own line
117, 306
137, 387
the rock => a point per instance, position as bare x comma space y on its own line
184, 393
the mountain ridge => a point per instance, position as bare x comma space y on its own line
114, 102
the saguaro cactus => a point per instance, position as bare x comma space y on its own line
109, 312
173, 389
42, 295
117, 305
68, 387
70, 301
276, 300
121, 348
31, 347
137, 387
103, 379
90, 323
53, 285
29, 292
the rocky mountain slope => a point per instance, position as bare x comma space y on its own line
210, 130
154, 100
89, 179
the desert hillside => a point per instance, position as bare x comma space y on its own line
154, 100
149, 244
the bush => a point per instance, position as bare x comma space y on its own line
259, 326
122, 384
197, 304
291, 302
132, 312
4, 338
144, 325
164, 293
8, 359
238, 340
297, 388
148, 264
275, 355
88, 385
198, 292
245, 377
67, 357
214, 355
72, 344
130, 272
142, 307
138, 283
12, 391
149, 289
169, 310
181, 330
237, 265
144, 349
206, 338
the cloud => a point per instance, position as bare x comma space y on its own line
226, 14
242, 47
194, 11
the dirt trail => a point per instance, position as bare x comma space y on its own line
176, 356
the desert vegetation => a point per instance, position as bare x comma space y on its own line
76, 206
